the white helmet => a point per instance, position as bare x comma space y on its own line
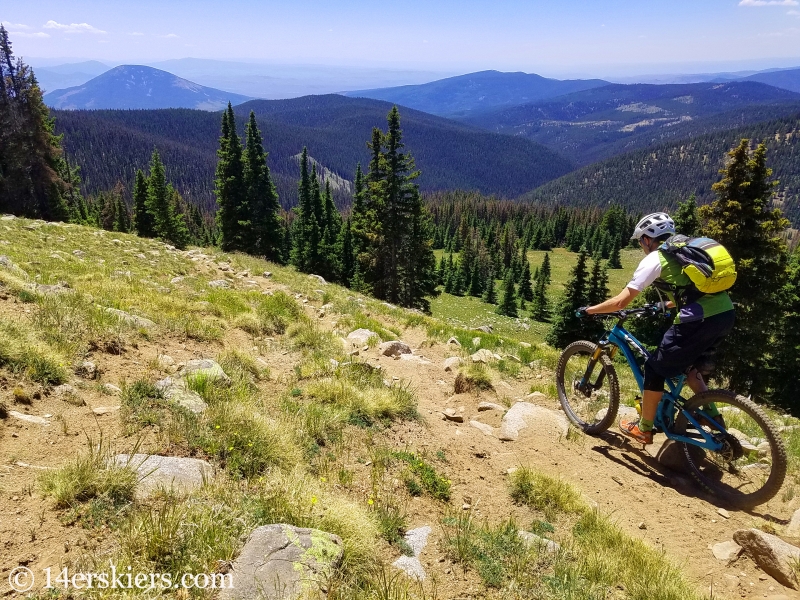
654, 225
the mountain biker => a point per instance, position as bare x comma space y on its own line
702, 321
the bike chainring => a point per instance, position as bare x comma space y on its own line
731, 450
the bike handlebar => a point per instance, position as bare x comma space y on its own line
647, 310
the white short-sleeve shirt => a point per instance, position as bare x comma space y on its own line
647, 272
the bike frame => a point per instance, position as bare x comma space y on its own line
670, 402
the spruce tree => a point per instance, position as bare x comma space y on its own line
329, 266
598, 283
489, 293
567, 327
545, 271
263, 235
742, 220
35, 180
158, 202
525, 288
540, 308
142, 219
786, 383
615, 257
229, 187
345, 253
508, 306
687, 218
302, 226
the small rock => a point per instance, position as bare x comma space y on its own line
219, 283
793, 528
483, 427
64, 389
452, 415
267, 274
165, 362
484, 328
726, 551
360, 337
87, 369
523, 413
453, 340
203, 367
483, 356
642, 525
130, 319
110, 388
452, 363
79, 253
394, 348
476, 341
180, 474
319, 278
28, 418
524, 344
416, 539
175, 280
533, 540
723, 513
104, 410
535, 397
771, 554
490, 406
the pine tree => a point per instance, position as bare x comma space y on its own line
615, 257
35, 180
489, 293
786, 384
598, 283
229, 186
403, 266
545, 270
742, 220
329, 266
346, 257
142, 219
264, 235
540, 308
158, 202
525, 288
302, 225
567, 327
508, 306
687, 218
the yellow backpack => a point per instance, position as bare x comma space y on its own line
706, 262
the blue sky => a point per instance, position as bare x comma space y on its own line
553, 37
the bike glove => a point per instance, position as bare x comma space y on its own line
582, 312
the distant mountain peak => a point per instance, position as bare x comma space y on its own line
141, 87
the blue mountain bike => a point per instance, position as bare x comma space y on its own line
737, 455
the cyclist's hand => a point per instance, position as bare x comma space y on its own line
662, 306
582, 312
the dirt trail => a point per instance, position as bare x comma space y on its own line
645, 499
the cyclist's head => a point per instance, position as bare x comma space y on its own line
655, 226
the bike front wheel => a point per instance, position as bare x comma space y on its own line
751, 466
589, 392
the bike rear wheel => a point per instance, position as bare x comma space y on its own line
593, 405
751, 467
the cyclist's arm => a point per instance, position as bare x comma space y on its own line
618, 302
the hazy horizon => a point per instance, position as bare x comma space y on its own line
555, 39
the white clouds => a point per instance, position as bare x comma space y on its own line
794, 13
170, 36
73, 27
15, 26
768, 3
26, 34
136, 33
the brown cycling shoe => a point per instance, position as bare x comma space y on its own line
631, 429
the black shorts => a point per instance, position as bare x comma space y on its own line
684, 343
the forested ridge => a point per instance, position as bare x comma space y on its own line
598, 123
657, 178
110, 146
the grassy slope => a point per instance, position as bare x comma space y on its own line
471, 312
296, 439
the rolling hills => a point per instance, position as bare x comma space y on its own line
140, 87
788, 79
595, 124
477, 92
110, 145
658, 177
